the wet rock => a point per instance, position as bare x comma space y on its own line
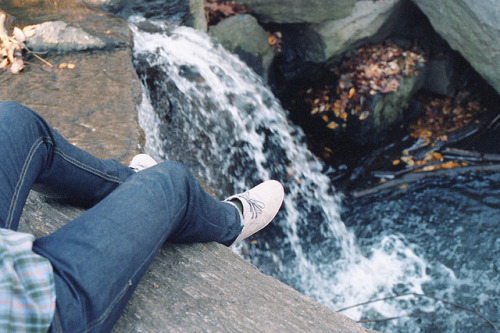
298, 11
174, 12
388, 109
370, 21
60, 37
243, 36
472, 28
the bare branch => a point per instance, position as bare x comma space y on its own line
417, 295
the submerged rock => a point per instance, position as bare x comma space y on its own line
472, 28
298, 11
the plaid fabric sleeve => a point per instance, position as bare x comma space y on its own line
27, 291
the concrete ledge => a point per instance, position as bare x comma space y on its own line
203, 288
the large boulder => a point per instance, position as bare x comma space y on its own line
298, 11
243, 36
370, 21
472, 28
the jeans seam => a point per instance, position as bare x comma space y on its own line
111, 307
108, 311
22, 176
86, 167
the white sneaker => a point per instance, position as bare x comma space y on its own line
141, 162
260, 206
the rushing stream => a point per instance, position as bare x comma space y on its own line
204, 107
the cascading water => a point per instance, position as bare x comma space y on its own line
204, 107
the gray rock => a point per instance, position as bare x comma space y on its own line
386, 112
59, 37
243, 36
203, 288
388, 108
196, 17
441, 77
472, 28
298, 11
369, 22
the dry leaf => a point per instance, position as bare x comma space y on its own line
364, 115
29, 31
332, 125
16, 66
19, 35
351, 92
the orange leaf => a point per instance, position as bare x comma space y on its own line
351, 92
272, 40
332, 125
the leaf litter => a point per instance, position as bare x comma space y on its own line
374, 69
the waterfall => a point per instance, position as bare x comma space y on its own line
204, 107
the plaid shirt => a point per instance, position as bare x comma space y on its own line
27, 291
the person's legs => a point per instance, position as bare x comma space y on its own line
100, 257
31, 152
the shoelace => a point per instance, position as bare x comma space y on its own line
256, 206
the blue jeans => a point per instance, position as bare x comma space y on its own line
100, 257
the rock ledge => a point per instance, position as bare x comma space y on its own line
203, 288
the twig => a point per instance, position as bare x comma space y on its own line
40, 58
416, 176
471, 155
419, 295
374, 301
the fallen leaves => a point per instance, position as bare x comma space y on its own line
66, 65
375, 69
441, 116
215, 10
11, 47
447, 165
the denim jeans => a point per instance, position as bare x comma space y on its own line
100, 257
